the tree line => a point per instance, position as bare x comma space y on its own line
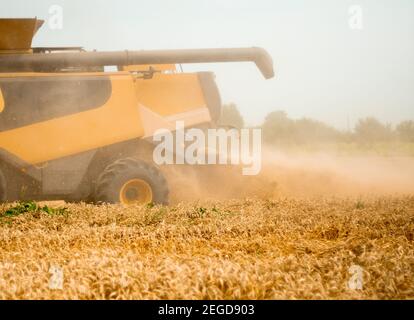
279, 129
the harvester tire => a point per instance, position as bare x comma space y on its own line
131, 181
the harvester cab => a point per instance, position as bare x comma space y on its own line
69, 130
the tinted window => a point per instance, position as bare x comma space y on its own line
37, 99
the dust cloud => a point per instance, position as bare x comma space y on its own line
295, 175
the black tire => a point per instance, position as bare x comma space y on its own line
111, 181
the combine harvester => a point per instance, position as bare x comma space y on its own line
69, 130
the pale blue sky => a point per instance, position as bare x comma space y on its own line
325, 70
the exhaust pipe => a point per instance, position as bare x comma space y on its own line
46, 62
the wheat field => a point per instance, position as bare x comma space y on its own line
316, 227
283, 248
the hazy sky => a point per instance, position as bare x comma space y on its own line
325, 69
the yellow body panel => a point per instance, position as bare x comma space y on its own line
168, 94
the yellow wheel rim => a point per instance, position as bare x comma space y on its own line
135, 191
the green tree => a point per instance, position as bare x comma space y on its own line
313, 131
278, 128
370, 130
405, 131
231, 116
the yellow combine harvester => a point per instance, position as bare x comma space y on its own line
69, 130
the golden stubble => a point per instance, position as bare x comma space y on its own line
287, 248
